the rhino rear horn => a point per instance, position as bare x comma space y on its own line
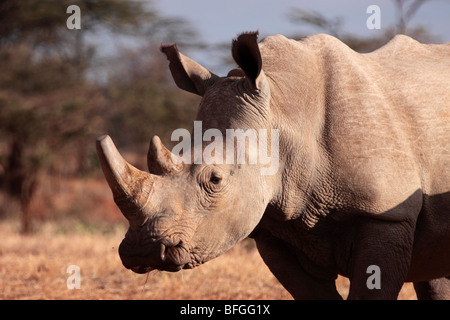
130, 186
160, 160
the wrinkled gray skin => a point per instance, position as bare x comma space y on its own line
363, 176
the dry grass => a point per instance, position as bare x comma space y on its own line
86, 231
34, 267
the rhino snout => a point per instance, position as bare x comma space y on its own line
163, 255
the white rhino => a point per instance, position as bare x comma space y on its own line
363, 182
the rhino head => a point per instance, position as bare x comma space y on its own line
184, 213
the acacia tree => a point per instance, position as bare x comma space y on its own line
49, 107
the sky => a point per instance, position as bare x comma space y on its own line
221, 21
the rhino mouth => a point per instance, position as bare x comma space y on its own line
163, 257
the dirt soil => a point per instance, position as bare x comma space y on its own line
35, 267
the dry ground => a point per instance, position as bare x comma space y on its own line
86, 230
34, 267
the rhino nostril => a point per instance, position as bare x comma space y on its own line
162, 252
168, 249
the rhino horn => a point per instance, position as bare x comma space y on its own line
130, 186
160, 160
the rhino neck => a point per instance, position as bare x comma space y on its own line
304, 190
298, 110
300, 172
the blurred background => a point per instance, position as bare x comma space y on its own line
61, 88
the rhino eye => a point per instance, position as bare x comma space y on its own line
215, 178
211, 180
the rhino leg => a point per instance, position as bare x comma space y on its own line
281, 261
437, 289
380, 258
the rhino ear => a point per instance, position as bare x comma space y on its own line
245, 52
187, 73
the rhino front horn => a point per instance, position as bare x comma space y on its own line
130, 186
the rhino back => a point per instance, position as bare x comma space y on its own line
378, 121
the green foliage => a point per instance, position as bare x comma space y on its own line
41, 21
